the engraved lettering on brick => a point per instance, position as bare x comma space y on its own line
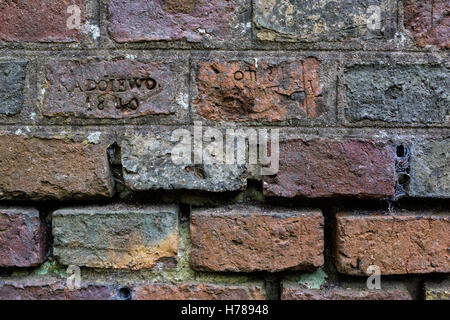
242, 91
108, 89
108, 93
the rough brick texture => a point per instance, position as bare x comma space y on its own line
148, 165
116, 237
53, 289
430, 169
39, 20
264, 91
224, 149
311, 21
429, 22
12, 78
397, 93
297, 292
246, 239
190, 20
34, 168
198, 291
327, 168
115, 89
23, 238
403, 243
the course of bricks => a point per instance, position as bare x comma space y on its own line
359, 91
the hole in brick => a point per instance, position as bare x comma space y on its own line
402, 170
115, 159
125, 293
401, 151
185, 212
403, 179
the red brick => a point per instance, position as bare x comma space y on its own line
169, 20
247, 239
270, 91
326, 168
401, 243
53, 289
23, 240
429, 22
35, 168
38, 21
198, 291
297, 292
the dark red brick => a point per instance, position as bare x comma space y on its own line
113, 89
38, 20
429, 22
169, 20
326, 168
23, 240
247, 239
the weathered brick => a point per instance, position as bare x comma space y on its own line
437, 290
198, 291
119, 88
260, 91
429, 22
329, 20
404, 243
39, 21
148, 165
328, 168
23, 240
12, 77
397, 93
116, 236
296, 292
168, 20
53, 289
430, 168
35, 168
247, 239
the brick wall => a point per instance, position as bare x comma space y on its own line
98, 95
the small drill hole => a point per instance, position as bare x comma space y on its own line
125, 293
185, 211
401, 151
403, 179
